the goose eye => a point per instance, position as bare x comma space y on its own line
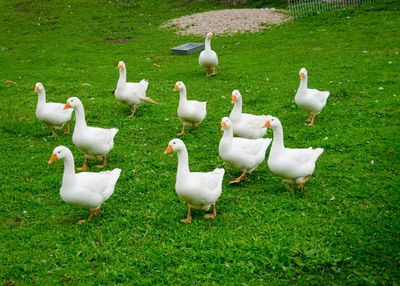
59, 152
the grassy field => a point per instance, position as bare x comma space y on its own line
343, 229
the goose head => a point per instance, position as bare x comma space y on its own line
174, 145
209, 35
72, 102
121, 66
39, 87
236, 96
303, 73
272, 122
179, 85
60, 152
225, 123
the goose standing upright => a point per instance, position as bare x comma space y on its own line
311, 101
242, 153
52, 114
86, 189
198, 190
190, 112
131, 93
246, 125
293, 165
93, 142
208, 58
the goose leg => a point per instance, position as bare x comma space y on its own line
213, 71
183, 130
133, 109
95, 212
212, 215
103, 163
189, 216
206, 69
84, 166
312, 120
66, 129
53, 132
300, 186
308, 120
238, 179
291, 187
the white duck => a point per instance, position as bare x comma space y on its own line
86, 189
208, 58
93, 142
197, 190
131, 93
293, 165
52, 114
311, 101
245, 154
246, 125
190, 112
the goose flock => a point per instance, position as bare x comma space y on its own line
242, 144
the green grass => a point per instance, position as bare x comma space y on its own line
344, 229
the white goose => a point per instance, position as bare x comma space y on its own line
52, 114
242, 153
93, 142
246, 125
131, 93
311, 101
208, 58
197, 190
190, 112
86, 189
293, 165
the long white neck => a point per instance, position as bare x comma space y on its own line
236, 110
41, 99
122, 78
208, 44
183, 161
80, 121
182, 95
226, 139
69, 171
277, 142
303, 83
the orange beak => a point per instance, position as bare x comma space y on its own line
168, 149
37, 89
223, 125
267, 123
302, 75
234, 98
52, 158
120, 66
176, 88
67, 105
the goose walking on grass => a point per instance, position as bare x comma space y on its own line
86, 189
52, 114
242, 153
131, 93
311, 101
244, 124
208, 59
190, 112
94, 142
198, 190
294, 166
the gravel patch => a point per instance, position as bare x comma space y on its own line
227, 21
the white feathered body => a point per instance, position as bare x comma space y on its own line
248, 125
132, 93
192, 112
208, 58
245, 154
294, 164
53, 114
89, 189
310, 100
199, 190
94, 142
